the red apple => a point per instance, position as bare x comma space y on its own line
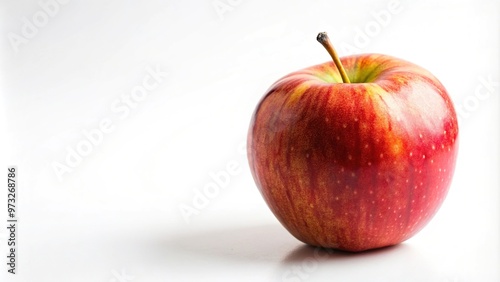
356, 159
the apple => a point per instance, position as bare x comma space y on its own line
354, 154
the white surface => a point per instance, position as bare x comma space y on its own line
118, 212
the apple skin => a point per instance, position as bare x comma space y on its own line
354, 166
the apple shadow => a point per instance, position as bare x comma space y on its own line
270, 246
252, 243
394, 263
303, 252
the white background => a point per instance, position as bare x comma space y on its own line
116, 215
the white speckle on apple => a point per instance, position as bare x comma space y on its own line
307, 155
338, 181
423, 156
371, 192
355, 192
381, 155
337, 137
432, 161
349, 157
355, 119
353, 174
424, 196
344, 125
369, 163
336, 198
421, 136
442, 146
433, 147
327, 119
444, 132
411, 154
373, 202
366, 146
407, 180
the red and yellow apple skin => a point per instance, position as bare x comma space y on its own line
354, 166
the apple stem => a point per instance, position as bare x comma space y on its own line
325, 41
